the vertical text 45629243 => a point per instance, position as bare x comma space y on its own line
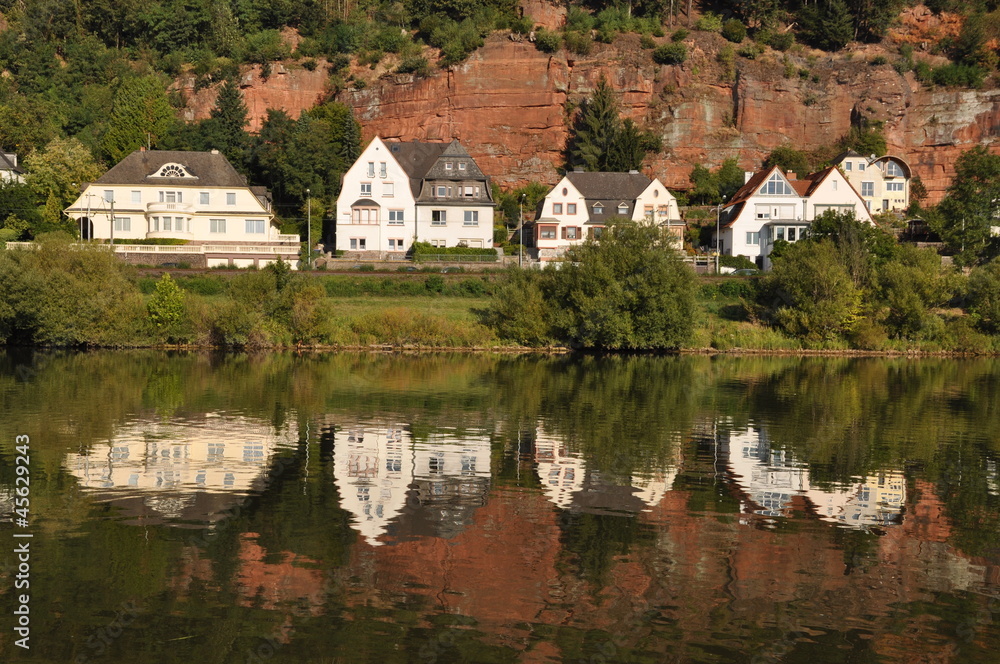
22, 543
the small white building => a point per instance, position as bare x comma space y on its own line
9, 170
581, 204
773, 206
194, 197
883, 182
397, 193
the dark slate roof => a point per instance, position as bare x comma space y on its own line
847, 153
423, 161
210, 169
7, 165
608, 186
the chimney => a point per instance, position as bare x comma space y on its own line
746, 176
633, 172
791, 176
142, 148
215, 152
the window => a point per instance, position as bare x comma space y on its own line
867, 188
471, 218
647, 211
255, 226
547, 232
571, 233
662, 210
557, 208
154, 224
230, 198
168, 224
395, 244
791, 235
123, 223
461, 165
382, 171
596, 232
439, 243
780, 233
753, 238
217, 225
776, 185
371, 169
387, 189
894, 186
447, 165
834, 183
848, 166
571, 208
203, 198
365, 215
439, 217
861, 165
598, 208
137, 197
763, 213
471, 191
366, 188
622, 209
109, 196
395, 217
441, 192
893, 170
358, 243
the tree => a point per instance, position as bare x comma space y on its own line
788, 159
984, 296
166, 306
225, 129
628, 290
140, 115
971, 206
55, 175
730, 178
597, 128
828, 24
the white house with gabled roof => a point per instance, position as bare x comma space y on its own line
399, 192
773, 205
581, 204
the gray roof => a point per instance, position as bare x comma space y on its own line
211, 169
608, 186
426, 161
7, 163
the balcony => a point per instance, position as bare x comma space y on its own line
169, 207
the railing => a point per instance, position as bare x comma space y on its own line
289, 238
161, 207
178, 249
453, 258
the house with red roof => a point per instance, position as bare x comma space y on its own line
773, 205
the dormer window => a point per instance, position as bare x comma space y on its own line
172, 170
598, 208
622, 208
776, 186
447, 165
461, 165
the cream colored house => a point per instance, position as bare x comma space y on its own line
397, 193
773, 206
883, 182
9, 170
581, 204
194, 197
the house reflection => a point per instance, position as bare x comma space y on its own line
570, 484
395, 486
774, 482
180, 470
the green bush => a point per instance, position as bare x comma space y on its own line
680, 34
647, 42
956, 75
577, 42
781, 41
166, 307
547, 41
579, 20
414, 65
670, 54
709, 22
750, 51
734, 30
878, 60
737, 262
425, 249
984, 296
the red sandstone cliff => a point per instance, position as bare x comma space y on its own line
508, 103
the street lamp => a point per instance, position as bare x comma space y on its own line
309, 209
520, 208
718, 234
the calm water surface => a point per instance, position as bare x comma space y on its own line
474, 508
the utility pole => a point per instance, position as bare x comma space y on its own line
520, 251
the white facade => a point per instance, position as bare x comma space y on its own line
391, 197
568, 216
772, 207
883, 182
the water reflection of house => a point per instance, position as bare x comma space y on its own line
569, 483
772, 480
179, 469
439, 481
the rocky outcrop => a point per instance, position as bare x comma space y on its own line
511, 105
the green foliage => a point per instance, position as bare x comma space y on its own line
577, 42
225, 130
680, 34
140, 115
984, 296
971, 206
711, 188
958, 75
811, 293
602, 141
709, 22
734, 30
425, 249
166, 307
54, 175
788, 159
779, 40
629, 290
414, 65
670, 54
865, 138
737, 262
827, 25
547, 41
525, 198
910, 286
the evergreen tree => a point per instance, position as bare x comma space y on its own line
827, 25
226, 128
350, 148
140, 115
597, 129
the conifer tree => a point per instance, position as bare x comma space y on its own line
140, 115
597, 130
226, 126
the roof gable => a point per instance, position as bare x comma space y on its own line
605, 186
204, 169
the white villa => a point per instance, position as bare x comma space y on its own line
397, 193
197, 197
773, 205
581, 203
884, 182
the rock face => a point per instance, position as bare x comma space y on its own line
511, 106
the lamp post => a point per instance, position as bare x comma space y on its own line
718, 235
309, 225
520, 208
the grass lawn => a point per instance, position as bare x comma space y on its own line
459, 309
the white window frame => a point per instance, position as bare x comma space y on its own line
442, 217
366, 189
230, 198
471, 218
870, 186
396, 217
388, 190
204, 198
255, 227
217, 225
123, 224
136, 197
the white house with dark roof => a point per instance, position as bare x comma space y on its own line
397, 193
773, 205
883, 182
194, 197
9, 170
581, 204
